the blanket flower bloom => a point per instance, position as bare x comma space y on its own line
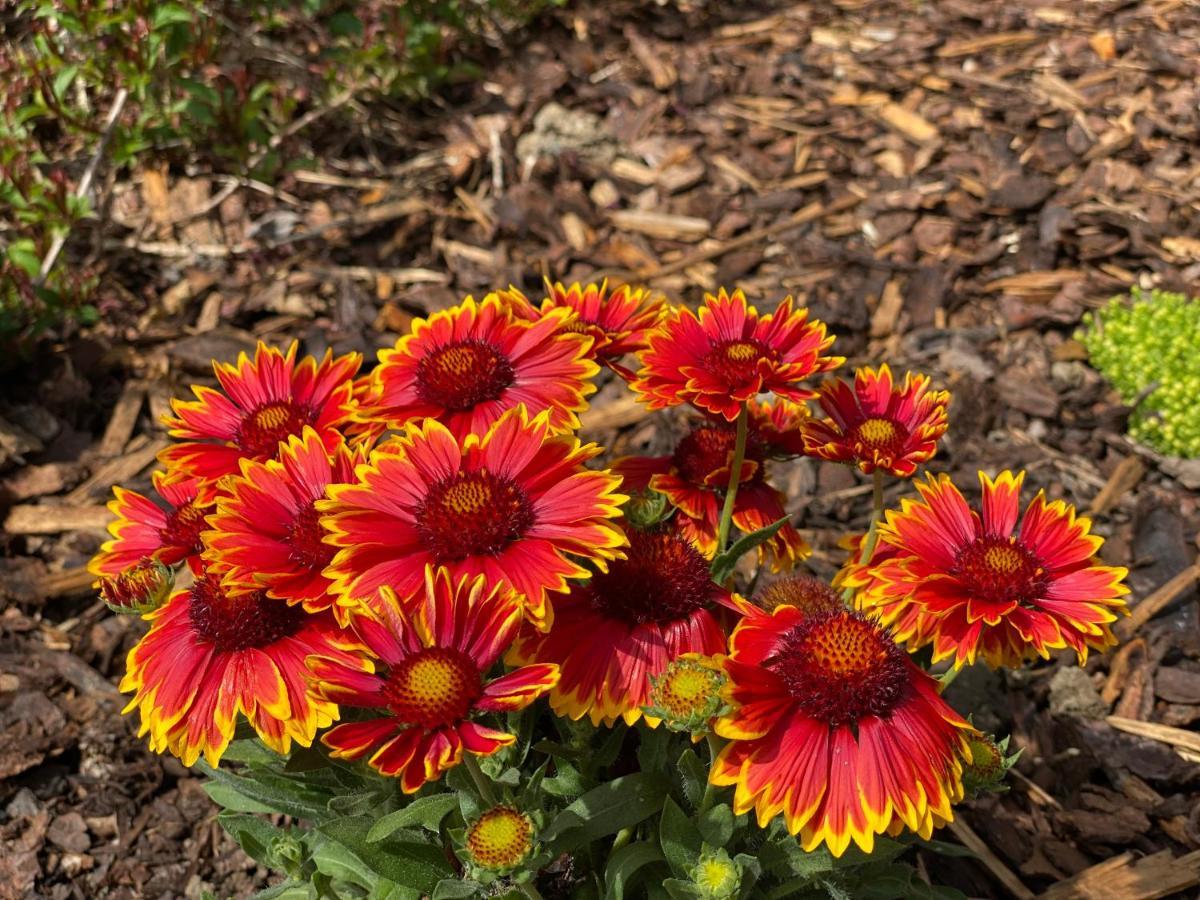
424, 671
621, 629
694, 479
467, 365
618, 323
209, 656
836, 729
510, 505
984, 585
807, 593
500, 839
261, 404
144, 529
266, 533
877, 424
728, 355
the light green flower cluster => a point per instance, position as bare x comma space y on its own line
1149, 348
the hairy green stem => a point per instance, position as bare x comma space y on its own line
871, 538
710, 794
483, 784
735, 477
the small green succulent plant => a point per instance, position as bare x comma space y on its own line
1148, 347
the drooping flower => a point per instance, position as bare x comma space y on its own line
209, 656
876, 424
266, 533
144, 529
729, 354
510, 505
424, 674
500, 839
981, 584
261, 404
695, 477
467, 365
614, 633
836, 729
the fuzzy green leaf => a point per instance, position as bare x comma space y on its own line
624, 866
427, 812
680, 839
607, 809
723, 565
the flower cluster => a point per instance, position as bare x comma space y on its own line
401, 562
1146, 347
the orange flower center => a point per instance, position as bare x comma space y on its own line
840, 667
182, 531
261, 432
242, 621
735, 363
432, 688
662, 579
708, 448
305, 540
461, 375
500, 838
473, 514
807, 593
1000, 570
881, 435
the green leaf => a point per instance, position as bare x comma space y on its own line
682, 890
23, 253
680, 839
287, 890
254, 834
455, 888
228, 798
414, 865
693, 777
716, 826
336, 861
624, 865
607, 809
171, 14
63, 80
723, 565
278, 794
427, 812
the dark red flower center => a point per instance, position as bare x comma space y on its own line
662, 579
473, 514
261, 432
1000, 570
305, 540
709, 447
183, 528
735, 363
840, 667
434, 687
241, 621
807, 593
884, 436
461, 375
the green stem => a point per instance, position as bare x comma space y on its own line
483, 784
867, 548
710, 795
735, 477
527, 888
947, 678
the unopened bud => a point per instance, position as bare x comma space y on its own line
141, 588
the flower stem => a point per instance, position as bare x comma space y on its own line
947, 678
483, 784
735, 477
867, 548
714, 747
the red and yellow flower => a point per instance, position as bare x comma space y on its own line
467, 365
424, 671
261, 404
145, 530
209, 656
695, 477
837, 730
876, 424
618, 323
980, 584
729, 354
266, 533
614, 633
510, 505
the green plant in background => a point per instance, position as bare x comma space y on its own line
213, 84
1146, 345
